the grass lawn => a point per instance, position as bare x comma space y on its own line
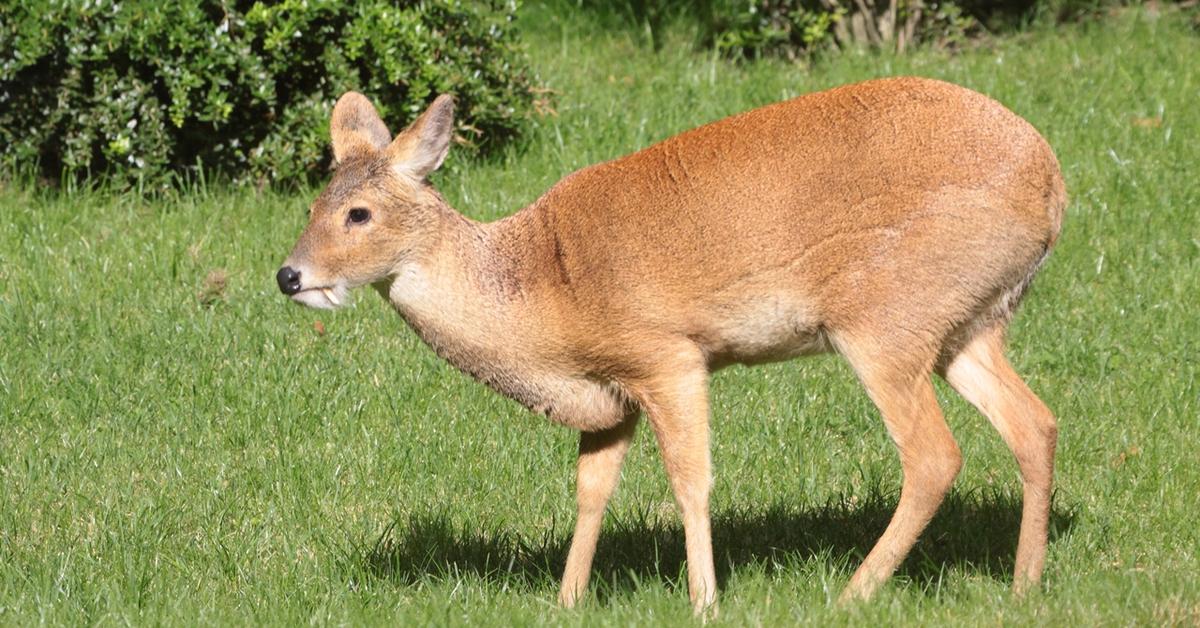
182, 447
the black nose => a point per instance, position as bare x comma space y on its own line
289, 280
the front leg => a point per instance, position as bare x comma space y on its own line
677, 406
600, 457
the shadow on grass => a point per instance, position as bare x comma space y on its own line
974, 532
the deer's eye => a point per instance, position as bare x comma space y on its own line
359, 215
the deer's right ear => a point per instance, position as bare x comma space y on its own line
356, 127
421, 148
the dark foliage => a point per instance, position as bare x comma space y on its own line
797, 28
138, 90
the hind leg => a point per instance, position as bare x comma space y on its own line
902, 389
983, 376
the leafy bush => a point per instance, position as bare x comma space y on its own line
144, 88
763, 27
795, 28
791, 28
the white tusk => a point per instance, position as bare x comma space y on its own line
331, 295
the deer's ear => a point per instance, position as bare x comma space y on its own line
421, 148
356, 127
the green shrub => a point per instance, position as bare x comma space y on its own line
141, 89
796, 28
792, 28
753, 28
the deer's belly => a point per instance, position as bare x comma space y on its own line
764, 328
577, 402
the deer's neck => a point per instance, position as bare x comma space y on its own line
478, 294
470, 264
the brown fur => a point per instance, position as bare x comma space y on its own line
895, 221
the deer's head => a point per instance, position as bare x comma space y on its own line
377, 211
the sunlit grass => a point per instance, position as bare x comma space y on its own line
179, 446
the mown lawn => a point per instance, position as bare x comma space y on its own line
178, 447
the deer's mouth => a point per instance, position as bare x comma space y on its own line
323, 298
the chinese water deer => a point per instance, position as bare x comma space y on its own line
897, 222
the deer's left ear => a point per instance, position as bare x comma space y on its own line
421, 148
356, 127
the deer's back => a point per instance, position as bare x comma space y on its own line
820, 211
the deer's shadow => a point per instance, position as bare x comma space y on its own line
972, 532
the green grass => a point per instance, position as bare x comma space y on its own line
167, 458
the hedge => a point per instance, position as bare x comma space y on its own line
143, 89
796, 28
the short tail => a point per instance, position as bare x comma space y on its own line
1056, 207
1056, 199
